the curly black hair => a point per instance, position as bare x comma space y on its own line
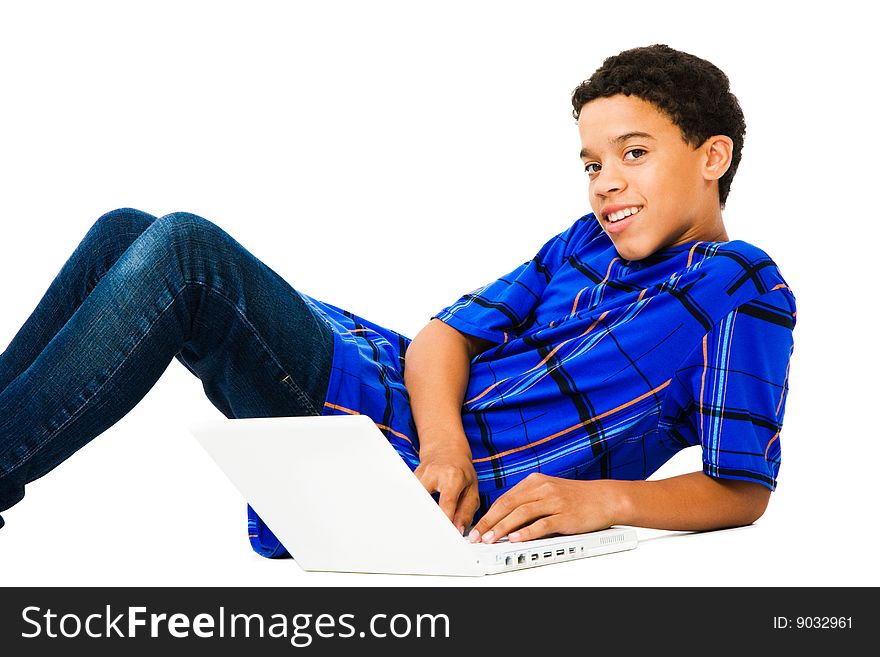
693, 93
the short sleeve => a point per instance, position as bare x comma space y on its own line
729, 394
507, 305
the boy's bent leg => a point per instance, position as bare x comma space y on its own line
183, 288
105, 241
257, 346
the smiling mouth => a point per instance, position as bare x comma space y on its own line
622, 214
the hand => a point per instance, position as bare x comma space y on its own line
450, 472
540, 505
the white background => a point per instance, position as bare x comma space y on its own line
387, 157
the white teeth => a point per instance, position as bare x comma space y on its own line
620, 214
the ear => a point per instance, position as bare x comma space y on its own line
718, 152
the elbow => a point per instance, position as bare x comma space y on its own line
753, 500
741, 502
755, 510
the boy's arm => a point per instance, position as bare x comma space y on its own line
541, 505
752, 364
436, 375
693, 501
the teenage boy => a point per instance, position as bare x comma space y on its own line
546, 399
539, 404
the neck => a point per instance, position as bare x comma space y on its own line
720, 235
714, 230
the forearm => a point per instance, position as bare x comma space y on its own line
436, 376
693, 502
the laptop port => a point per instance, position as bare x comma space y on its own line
508, 561
560, 552
548, 555
534, 556
571, 550
521, 558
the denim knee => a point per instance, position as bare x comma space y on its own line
128, 221
182, 230
195, 240
107, 239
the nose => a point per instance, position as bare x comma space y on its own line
609, 180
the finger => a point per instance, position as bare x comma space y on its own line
501, 508
450, 491
520, 517
541, 527
489, 519
468, 504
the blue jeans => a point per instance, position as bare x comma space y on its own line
137, 292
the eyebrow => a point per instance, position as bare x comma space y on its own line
616, 141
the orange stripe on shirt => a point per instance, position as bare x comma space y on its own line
602, 282
381, 426
783, 286
691, 253
576, 426
546, 358
341, 408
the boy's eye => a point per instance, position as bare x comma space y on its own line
636, 154
589, 168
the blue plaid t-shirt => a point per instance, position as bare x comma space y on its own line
600, 367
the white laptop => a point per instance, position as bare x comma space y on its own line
339, 498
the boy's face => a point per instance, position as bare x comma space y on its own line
638, 162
